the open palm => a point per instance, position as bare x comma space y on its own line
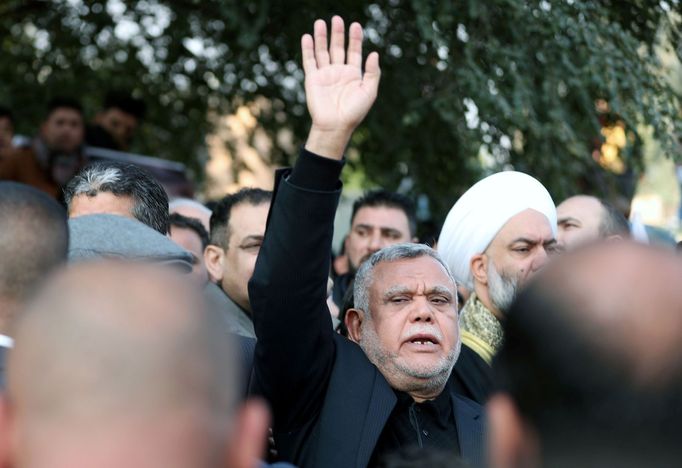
338, 94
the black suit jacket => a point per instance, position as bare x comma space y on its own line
330, 404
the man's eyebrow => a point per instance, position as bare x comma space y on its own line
438, 289
398, 289
253, 237
566, 219
524, 240
389, 230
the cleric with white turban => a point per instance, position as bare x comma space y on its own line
497, 235
480, 213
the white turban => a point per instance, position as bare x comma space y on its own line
477, 217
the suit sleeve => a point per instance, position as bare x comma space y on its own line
294, 353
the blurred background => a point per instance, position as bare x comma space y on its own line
585, 95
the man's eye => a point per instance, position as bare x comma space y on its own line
251, 246
555, 248
440, 300
399, 299
522, 249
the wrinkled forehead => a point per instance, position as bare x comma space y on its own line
528, 225
410, 274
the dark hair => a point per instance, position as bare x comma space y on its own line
149, 198
125, 102
579, 396
5, 113
613, 222
220, 218
61, 102
34, 238
184, 222
377, 198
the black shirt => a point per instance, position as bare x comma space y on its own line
430, 424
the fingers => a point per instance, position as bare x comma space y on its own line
370, 79
321, 53
355, 45
336, 45
308, 53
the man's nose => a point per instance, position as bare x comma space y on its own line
375, 241
422, 310
541, 258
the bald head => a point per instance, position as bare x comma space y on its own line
591, 357
192, 209
119, 357
33, 240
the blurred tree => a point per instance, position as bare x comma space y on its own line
468, 86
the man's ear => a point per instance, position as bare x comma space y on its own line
353, 321
214, 258
479, 268
512, 443
248, 438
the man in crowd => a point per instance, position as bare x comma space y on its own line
237, 229
55, 155
6, 128
582, 219
191, 209
497, 236
380, 218
590, 372
116, 364
115, 125
339, 403
33, 241
190, 234
119, 189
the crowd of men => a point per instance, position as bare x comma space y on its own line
140, 332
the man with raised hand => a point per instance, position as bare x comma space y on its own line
341, 403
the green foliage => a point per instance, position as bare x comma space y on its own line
516, 81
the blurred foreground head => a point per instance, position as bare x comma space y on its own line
591, 368
33, 240
117, 364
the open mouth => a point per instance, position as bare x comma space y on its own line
423, 340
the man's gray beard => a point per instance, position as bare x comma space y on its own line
389, 365
502, 289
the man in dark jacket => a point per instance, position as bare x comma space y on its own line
341, 403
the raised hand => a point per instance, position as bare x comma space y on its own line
337, 93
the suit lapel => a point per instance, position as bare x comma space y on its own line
470, 429
381, 403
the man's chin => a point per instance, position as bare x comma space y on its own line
425, 367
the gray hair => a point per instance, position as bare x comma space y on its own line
150, 201
393, 253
